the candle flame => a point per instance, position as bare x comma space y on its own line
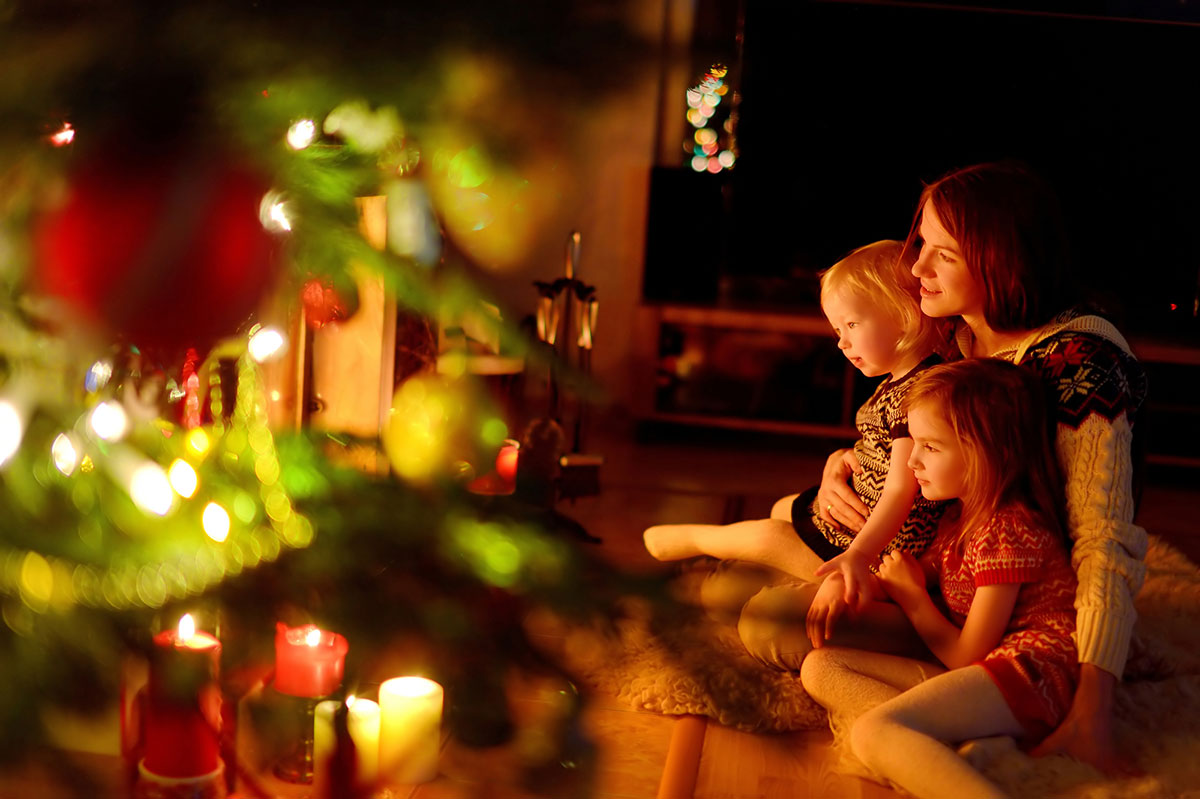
187, 628
313, 637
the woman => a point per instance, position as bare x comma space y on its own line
993, 255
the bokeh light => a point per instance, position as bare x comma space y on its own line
183, 478
97, 376
150, 489
265, 343
65, 454
109, 421
216, 522
301, 134
272, 213
12, 430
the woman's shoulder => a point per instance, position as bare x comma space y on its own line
1088, 367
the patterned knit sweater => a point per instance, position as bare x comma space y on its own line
1096, 387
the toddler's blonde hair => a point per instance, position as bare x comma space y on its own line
882, 273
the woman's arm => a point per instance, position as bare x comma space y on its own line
894, 505
991, 610
836, 500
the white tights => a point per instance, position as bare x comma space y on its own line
906, 711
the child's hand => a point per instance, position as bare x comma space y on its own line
903, 579
855, 570
827, 607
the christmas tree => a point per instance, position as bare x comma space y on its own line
177, 184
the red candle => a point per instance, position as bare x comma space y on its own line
308, 660
506, 462
183, 703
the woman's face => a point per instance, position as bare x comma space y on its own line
947, 286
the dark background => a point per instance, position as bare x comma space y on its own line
847, 108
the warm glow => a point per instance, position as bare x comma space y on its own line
183, 478
64, 454
313, 637
150, 489
272, 213
279, 217
197, 441
109, 421
412, 686
63, 136
216, 522
301, 134
265, 343
187, 628
12, 430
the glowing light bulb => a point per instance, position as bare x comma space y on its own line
183, 478
109, 421
63, 136
12, 430
699, 163
216, 522
64, 454
265, 343
301, 134
150, 489
187, 629
313, 637
272, 213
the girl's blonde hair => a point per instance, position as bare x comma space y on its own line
882, 273
998, 414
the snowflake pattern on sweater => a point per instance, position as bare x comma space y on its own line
1035, 664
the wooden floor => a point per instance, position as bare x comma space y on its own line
623, 753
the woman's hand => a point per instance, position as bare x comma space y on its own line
827, 607
903, 579
1086, 732
836, 501
855, 570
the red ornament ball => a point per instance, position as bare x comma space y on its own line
163, 249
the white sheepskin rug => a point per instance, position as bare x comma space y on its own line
673, 660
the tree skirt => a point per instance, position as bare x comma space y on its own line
672, 659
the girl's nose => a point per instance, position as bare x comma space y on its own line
913, 461
843, 343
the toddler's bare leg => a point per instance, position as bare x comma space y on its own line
768, 542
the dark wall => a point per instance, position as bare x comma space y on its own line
847, 108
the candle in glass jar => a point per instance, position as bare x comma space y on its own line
362, 722
410, 729
183, 703
308, 660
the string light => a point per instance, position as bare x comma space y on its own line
109, 421
64, 454
12, 430
216, 522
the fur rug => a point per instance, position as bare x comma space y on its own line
673, 660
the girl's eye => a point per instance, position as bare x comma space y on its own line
851, 325
929, 448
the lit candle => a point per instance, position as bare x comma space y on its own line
308, 661
362, 722
183, 703
410, 729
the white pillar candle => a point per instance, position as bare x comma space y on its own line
410, 729
362, 722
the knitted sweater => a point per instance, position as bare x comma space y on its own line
1096, 386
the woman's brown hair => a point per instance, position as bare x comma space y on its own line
998, 414
1009, 228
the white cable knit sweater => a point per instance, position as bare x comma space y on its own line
1097, 387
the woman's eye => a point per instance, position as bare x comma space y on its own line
942, 254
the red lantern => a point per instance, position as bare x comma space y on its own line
164, 250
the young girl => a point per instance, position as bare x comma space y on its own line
873, 303
981, 439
